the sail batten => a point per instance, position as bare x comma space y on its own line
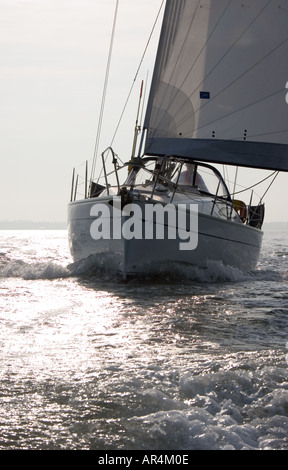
220, 75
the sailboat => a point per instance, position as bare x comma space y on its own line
217, 99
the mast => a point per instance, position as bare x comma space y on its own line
136, 131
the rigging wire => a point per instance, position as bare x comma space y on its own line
104, 92
276, 173
137, 72
106, 82
128, 97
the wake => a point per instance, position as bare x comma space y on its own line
103, 268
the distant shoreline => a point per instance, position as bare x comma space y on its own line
273, 226
31, 225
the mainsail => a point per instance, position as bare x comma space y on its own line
218, 92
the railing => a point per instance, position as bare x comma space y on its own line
90, 187
76, 184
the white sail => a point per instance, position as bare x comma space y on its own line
219, 87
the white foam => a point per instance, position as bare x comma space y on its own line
106, 267
225, 410
31, 271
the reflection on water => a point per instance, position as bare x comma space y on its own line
185, 361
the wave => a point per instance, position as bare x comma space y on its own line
31, 271
93, 267
104, 268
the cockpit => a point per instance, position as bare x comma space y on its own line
172, 172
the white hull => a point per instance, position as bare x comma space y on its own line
225, 241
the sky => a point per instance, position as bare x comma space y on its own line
53, 56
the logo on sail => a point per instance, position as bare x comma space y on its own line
205, 95
146, 221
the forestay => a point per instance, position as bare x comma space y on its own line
218, 90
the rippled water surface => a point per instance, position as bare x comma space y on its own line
189, 360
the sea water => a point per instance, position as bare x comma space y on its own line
184, 360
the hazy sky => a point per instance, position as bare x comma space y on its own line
53, 60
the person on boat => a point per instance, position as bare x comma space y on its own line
188, 177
